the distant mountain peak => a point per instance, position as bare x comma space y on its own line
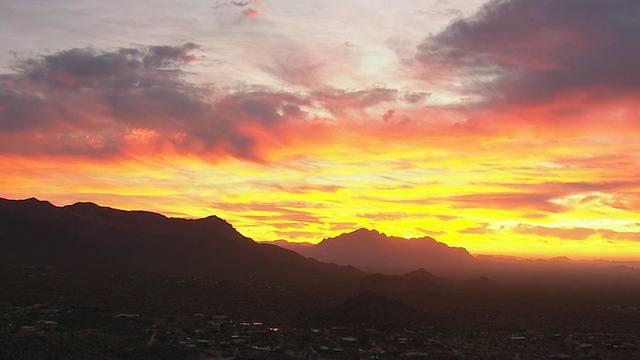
29, 203
33, 200
84, 204
376, 252
366, 231
421, 273
562, 258
214, 219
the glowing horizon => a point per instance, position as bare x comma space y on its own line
504, 127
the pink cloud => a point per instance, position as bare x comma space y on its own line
388, 116
251, 12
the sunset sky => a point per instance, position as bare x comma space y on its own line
505, 127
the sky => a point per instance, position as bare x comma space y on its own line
505, 127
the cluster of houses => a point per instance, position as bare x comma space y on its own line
220, 337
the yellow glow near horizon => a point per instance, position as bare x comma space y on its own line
488, 207
302, 125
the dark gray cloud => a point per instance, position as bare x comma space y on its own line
416, 97
124, 67
85, 102
19, 111
534, 51
338, 101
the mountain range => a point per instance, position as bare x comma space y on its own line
375, 252
85, 237
75, 270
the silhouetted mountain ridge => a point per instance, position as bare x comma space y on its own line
85, 237
413, 281
376, 252
421, 273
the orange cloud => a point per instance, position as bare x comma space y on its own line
562, 233
251, 12
519, 201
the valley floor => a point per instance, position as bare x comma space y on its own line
48, 314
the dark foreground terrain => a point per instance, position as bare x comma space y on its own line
88, 282
47, 314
